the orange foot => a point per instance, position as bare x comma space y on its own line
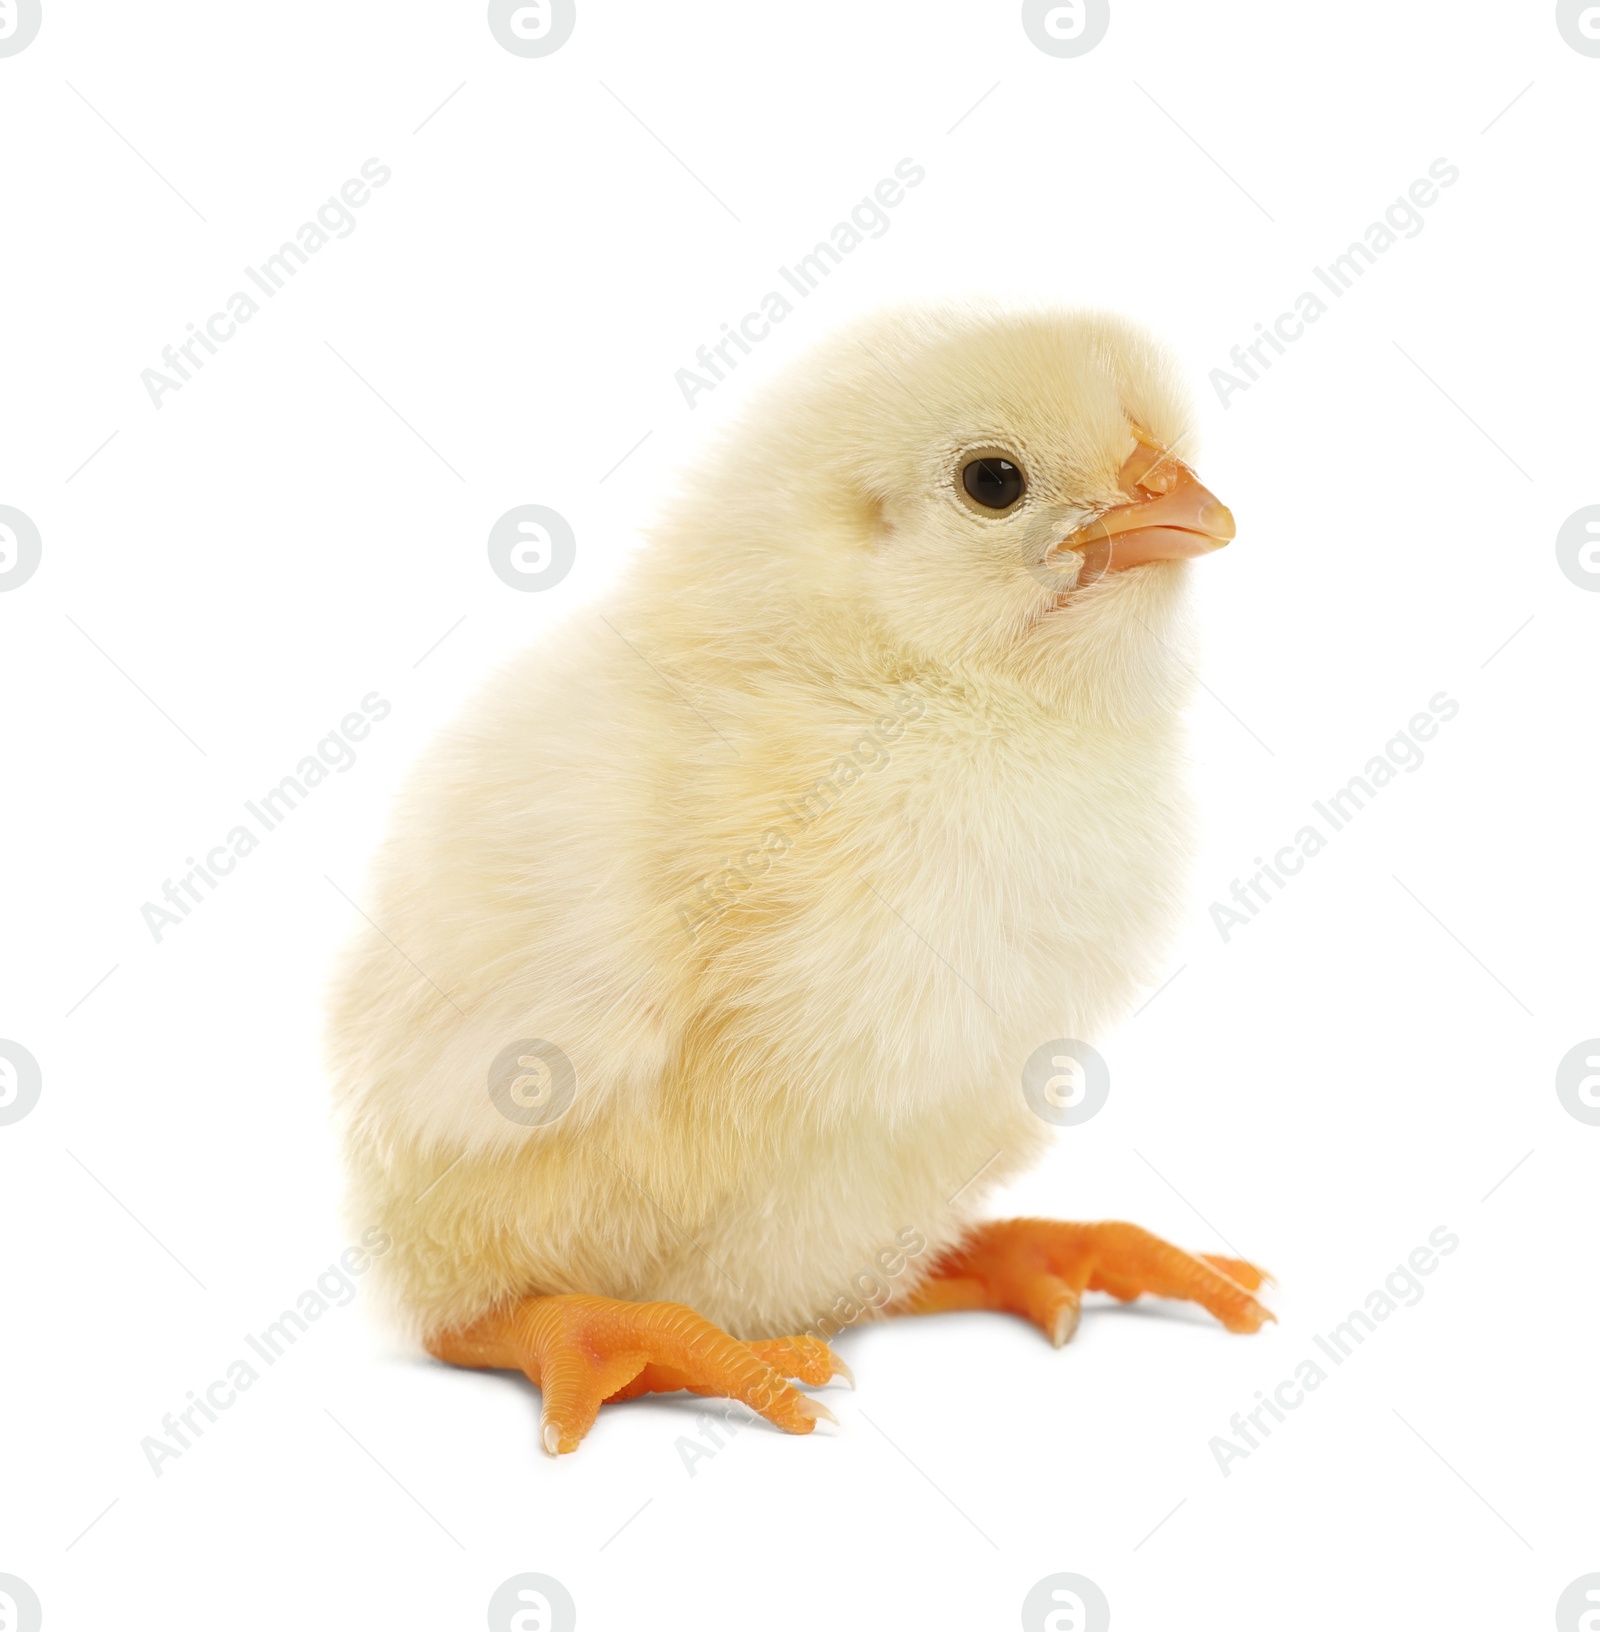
584, 1352
1039, 1268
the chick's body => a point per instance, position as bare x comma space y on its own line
797, 853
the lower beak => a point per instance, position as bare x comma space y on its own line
1170, 517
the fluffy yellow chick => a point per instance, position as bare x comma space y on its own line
711, 945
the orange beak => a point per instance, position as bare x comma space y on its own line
1168, 517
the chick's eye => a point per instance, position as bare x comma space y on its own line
993, 482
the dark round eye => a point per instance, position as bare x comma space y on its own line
993, 482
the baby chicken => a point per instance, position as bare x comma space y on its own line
707, 951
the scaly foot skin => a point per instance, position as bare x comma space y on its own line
586, 1351
1040, 1268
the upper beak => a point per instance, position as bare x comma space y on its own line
1169, 516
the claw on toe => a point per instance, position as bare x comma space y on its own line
1065, 1323
815, 1410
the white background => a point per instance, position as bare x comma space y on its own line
228, 575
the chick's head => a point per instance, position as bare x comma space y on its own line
1007, 490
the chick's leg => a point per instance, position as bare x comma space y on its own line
583, 1351
1040, 1268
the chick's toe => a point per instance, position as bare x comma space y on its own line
583, 1352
